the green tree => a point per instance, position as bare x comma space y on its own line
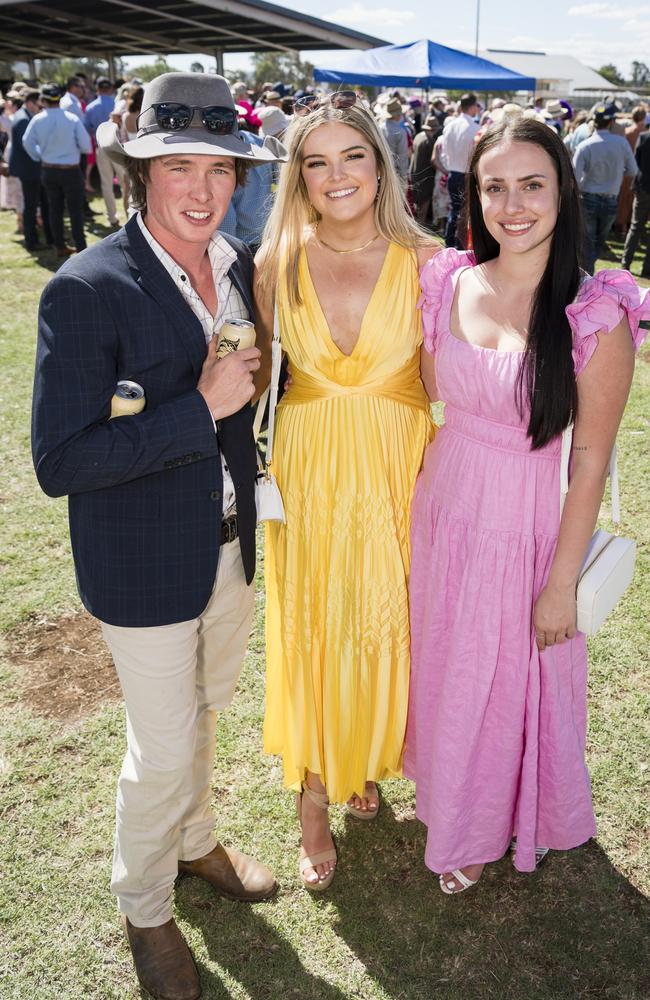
148, 71
640, 75
58, 70
285, 66
235, 75
610, 72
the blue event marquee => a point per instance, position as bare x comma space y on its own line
419, 64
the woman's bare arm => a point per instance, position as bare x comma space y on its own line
264, 308
428, 373
603, 389
427, 360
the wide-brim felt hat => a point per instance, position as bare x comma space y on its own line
554, 110
197, 90
390, 108
431, 124
273, 121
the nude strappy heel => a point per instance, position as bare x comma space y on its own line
319, 799
369, 813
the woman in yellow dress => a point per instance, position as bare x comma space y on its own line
340, 261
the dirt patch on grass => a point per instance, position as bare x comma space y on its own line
67, 671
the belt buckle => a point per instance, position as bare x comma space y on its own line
230, 526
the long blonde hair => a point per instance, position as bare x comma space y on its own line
292, 212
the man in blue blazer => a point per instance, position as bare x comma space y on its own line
28, 172
162, 506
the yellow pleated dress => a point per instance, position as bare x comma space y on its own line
350, 438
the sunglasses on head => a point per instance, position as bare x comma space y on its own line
340, 100
176, 117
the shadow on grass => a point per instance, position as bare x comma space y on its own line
574, 929
46, 256
241, 941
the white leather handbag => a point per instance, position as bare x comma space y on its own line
268, 498
608, 567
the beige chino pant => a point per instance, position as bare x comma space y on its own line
174, 679
107, 170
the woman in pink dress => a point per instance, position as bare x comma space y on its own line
519, 341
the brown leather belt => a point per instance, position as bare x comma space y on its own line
61, 166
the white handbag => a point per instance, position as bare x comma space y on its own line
268, 498
608, 567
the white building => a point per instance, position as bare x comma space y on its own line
557, 75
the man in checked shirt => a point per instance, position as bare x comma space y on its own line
162, 507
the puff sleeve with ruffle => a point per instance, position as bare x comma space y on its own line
600, 305
435, 281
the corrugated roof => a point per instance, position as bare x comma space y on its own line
41, 29
548, 66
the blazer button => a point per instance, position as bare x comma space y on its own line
215, 495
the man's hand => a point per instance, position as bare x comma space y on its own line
226, 384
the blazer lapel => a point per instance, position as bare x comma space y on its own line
156, 280
243, 285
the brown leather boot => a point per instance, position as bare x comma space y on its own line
234, 875
163, 962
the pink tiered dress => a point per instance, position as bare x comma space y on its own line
496, 730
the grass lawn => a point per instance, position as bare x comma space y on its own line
579, 928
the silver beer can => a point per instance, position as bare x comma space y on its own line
128, 399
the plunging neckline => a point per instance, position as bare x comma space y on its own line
325, 323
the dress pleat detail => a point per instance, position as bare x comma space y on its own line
350, 436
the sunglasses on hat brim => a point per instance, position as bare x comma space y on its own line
340, 100
171, 117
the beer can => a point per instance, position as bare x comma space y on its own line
235, 335
128, 399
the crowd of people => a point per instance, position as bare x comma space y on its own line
431, 143
433, 156
421, 582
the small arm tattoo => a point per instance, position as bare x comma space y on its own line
581, 447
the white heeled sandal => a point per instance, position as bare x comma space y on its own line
450, 889
540, 852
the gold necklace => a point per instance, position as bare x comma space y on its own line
354, 249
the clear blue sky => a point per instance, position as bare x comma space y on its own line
596, 33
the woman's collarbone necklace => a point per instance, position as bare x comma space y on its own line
353, 250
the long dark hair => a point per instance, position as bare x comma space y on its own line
134, 101
546, 379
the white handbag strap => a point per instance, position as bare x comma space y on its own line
271, 392
567, 441
259, 413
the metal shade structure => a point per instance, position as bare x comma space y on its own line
57, 29
420, 64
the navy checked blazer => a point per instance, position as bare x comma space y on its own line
20, 163
145, 492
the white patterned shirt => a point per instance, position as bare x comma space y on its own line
230, 305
